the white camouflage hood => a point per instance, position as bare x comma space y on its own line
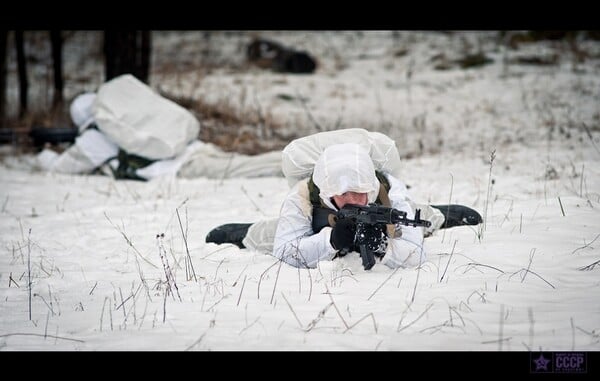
342, 168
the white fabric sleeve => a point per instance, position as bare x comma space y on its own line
406, 250
295, 242
91, 149
96, 146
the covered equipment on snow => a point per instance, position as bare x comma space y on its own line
142, 122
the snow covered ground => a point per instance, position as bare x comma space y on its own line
91, 246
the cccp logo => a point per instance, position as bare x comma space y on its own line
558, 362
570, 362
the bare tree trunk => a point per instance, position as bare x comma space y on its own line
145, 55
127, 52
3, 43
109, 54
56, 42
22, 70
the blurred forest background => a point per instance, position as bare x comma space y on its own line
42, 71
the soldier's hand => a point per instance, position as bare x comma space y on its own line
342, 234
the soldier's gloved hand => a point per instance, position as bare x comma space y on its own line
342, 234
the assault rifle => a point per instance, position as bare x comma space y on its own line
371, 221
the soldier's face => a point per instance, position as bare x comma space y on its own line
350, 198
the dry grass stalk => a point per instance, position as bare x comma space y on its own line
584, 246
335, 306
400, 328
275, 285
363, 318
40, 335
384, 282
29, 269
261, 278
449, 259
129, 242
187, 250
487, 199
293, 312
170, 278
320, 316
561, 207
241, 291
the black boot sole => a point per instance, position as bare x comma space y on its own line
458, 215
228, 233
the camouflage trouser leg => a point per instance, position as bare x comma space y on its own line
261, 235
430, 214
74, 161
